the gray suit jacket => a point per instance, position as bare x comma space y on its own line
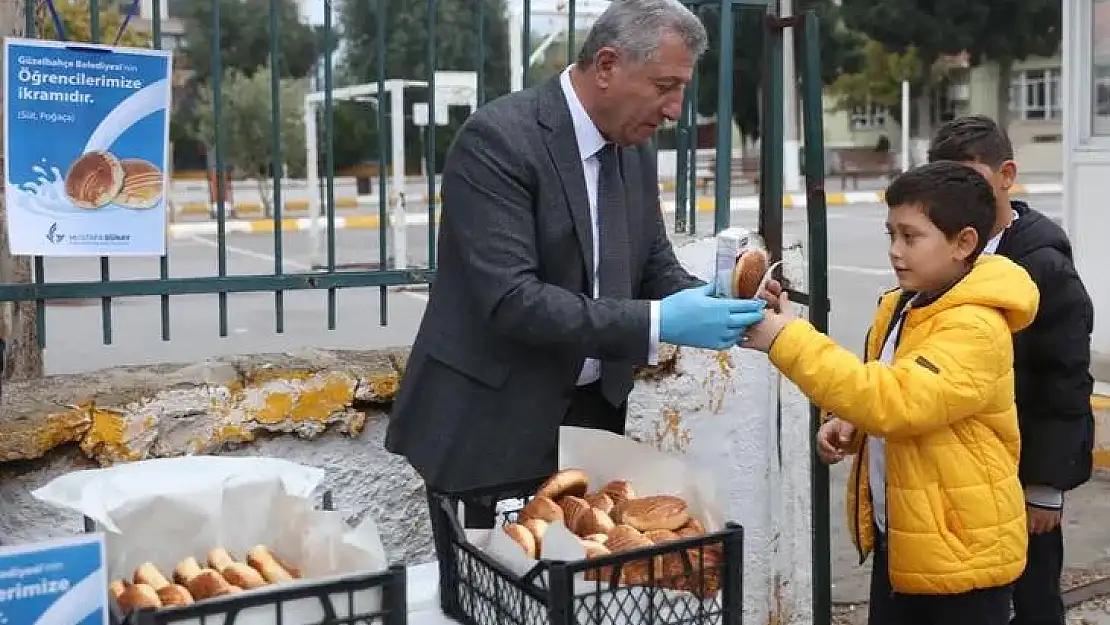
509, 319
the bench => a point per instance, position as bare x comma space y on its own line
862, 162
744, 169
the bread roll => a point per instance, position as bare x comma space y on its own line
747, 275
542, 508
661, 536
174, 595
243, 576
149, 574
219, 559
138, 596
574, 508
523, 537
594, 521
565, 482
600, 539
618, 491
626, 538
264, 561
290, 568
692, 529
208, 584
594, 549
116, 588
186, 570
538, 528
655, 512
601, 501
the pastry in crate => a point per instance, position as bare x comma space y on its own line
613, 519
220, 576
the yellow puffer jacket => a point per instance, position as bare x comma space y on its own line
955, 509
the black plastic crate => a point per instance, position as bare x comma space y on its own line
339, 601
475, 589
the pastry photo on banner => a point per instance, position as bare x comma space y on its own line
86, 145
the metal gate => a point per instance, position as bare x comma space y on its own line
392, 209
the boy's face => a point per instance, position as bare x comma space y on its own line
923, 258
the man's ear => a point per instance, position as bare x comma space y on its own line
1008, 171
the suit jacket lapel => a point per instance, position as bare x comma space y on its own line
554, 116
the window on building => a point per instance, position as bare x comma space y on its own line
171, 42
1037, 95
1100, 53
867, 117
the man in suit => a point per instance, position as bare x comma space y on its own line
555, 271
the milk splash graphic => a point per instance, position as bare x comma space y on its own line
46, 196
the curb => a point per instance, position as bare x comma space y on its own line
1100, 403
790, 200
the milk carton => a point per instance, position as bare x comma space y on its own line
731, 243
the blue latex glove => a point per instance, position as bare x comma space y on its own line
696, 318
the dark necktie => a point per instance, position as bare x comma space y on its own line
614, 276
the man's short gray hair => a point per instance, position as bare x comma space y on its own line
633, 27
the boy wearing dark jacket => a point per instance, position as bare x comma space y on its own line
1051, 362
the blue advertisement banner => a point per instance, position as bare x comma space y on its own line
86, 146
60, 582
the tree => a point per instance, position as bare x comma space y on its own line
406, 50
245, 38
879, 79
839, 54
1033, 28
246, 132
17, 319
76, 18
1003, 31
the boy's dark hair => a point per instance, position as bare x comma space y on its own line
952, 195
972, 138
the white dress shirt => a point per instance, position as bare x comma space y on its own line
590, 141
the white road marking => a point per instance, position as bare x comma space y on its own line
867, 271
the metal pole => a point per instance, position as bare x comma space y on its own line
516, 51
398, 215
791, 176
723, 174
905, 125
312, 165
817, 219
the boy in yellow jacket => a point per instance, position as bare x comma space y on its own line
934, 490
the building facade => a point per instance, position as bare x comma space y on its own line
1036, 108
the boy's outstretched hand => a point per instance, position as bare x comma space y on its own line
778, 313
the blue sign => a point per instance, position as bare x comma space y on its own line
60, 582
86, 145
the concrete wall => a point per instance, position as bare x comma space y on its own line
328, 409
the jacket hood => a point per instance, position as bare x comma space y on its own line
994, 282
1031, 231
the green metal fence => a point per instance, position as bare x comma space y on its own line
332, 277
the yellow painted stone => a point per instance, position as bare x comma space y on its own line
384, 387
107, 439
59, 429
318, 402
